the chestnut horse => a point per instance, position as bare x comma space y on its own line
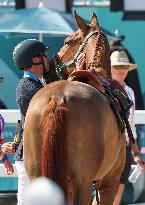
71, 134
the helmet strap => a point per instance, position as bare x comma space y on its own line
41, 63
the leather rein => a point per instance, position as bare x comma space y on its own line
60, 67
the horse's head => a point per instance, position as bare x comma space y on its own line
89, 39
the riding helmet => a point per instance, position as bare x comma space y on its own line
24, 51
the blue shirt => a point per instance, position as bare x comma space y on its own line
28, 74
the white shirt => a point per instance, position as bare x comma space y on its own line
131, 96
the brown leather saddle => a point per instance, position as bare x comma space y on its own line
115, 93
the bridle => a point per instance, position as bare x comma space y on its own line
60, 67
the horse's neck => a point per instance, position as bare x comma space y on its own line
101, 70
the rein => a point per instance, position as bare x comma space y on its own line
60, 67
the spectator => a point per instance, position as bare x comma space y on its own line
120, 66
132, 78
4, 149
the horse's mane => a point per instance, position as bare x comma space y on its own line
101, 58
102, 53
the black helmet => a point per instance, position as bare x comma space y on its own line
24, 51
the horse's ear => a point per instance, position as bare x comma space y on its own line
94, 21
81, 23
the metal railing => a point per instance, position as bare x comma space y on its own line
12, 116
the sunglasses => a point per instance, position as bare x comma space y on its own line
121, 67
44, 54
41, 54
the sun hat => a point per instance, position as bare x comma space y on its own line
120, 58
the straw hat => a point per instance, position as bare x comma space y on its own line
120, 58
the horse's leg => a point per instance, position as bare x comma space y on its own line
77, 194
107, 195
108, 192
81, 194
86, 196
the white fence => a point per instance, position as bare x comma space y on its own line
12, 116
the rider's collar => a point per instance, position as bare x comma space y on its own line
28, 74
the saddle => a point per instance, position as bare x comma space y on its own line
88, 77
115, 93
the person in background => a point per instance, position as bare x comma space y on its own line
2, 105
31, 57
4, 149
120, 66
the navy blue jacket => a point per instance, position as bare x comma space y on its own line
25, 90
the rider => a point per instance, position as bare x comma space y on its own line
30, 56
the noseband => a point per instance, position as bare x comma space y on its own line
60, 67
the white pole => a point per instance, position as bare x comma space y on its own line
41, 5
41, 37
